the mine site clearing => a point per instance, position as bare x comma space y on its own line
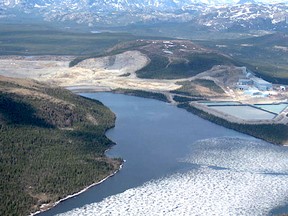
119, 71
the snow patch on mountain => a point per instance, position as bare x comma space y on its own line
216, 14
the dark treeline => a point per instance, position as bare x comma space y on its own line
144, 94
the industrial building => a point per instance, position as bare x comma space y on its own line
242, 87
261, 84
245, 82
251, 82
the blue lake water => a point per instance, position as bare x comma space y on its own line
176, 159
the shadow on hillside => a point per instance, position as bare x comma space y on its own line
13, 111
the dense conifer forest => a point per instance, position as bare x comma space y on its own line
52, 144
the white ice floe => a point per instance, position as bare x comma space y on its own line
253, 182
240, 155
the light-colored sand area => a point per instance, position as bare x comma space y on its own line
111, 72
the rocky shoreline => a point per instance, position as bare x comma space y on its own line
48, 206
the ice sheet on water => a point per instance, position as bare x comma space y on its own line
242, 189
240, 155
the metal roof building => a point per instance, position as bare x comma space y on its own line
261, 84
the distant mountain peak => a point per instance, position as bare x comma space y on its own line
213, 14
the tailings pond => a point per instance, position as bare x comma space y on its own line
179, 164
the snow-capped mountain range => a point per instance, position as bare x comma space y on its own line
143, 3
215, 14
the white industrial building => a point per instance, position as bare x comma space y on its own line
242, 87
245, 82
261, 84
251, 81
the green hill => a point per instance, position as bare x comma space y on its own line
52, 144
170, 59
162, 67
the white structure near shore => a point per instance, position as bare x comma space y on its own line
261, 84
250, 81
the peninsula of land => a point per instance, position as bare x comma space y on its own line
52, 145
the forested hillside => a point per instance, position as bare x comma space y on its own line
52, 144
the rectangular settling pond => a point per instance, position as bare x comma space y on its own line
275, 108
245, 112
